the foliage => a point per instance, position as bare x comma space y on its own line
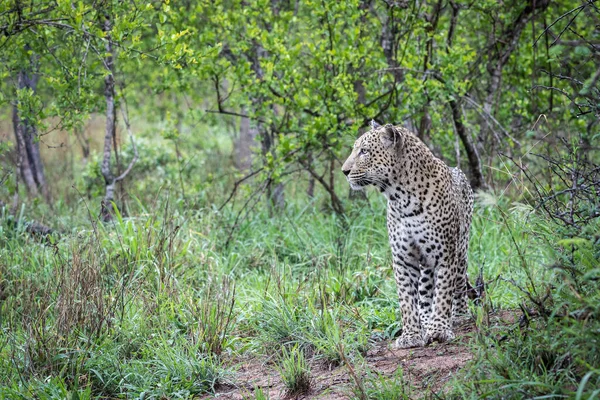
195, 273
165, 277
308, 74
551, 351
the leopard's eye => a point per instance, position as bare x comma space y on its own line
362, 152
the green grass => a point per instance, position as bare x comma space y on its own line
155, 304
294, 371
379, 387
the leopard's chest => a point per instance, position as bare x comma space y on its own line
408, 222
416, 224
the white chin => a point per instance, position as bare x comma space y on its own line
354, 186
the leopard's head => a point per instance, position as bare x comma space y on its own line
373, 157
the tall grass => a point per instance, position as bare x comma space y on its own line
159, 301
156, 289
95, 312
551, 350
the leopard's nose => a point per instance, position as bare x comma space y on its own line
346, 171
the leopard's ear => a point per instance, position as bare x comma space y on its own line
374, 125
391, 136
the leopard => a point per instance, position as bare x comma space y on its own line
429, 212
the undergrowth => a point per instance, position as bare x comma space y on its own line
155, 304
552, 350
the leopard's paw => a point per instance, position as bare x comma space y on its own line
406, 341
441, 335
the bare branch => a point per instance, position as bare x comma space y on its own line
235, 114
238, 183
578, 9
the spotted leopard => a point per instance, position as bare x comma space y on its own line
428, 219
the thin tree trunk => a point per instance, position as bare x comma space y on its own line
425, 122
23, 163
477, 180
276, 192
84, 142
29, 161
243, 145
109, 134
310, 191
504, 46
388, 44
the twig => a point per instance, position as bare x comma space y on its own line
489, 116
359, 383
237, 184
235, 114
556, 21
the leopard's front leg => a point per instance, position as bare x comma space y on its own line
406, 272
438, 326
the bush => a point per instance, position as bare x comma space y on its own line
553, 349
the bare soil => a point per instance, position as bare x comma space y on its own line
425, 369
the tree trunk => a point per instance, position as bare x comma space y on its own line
29, 161
425, 122
504, 47
275, 192
84, 142
477, 180
243, 144
388, 44
310, 190
110, 129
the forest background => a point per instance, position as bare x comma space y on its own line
172, 204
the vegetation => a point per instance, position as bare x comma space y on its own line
171, 207
295, 372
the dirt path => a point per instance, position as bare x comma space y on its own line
425, 369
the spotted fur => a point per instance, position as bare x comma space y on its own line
428, 218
